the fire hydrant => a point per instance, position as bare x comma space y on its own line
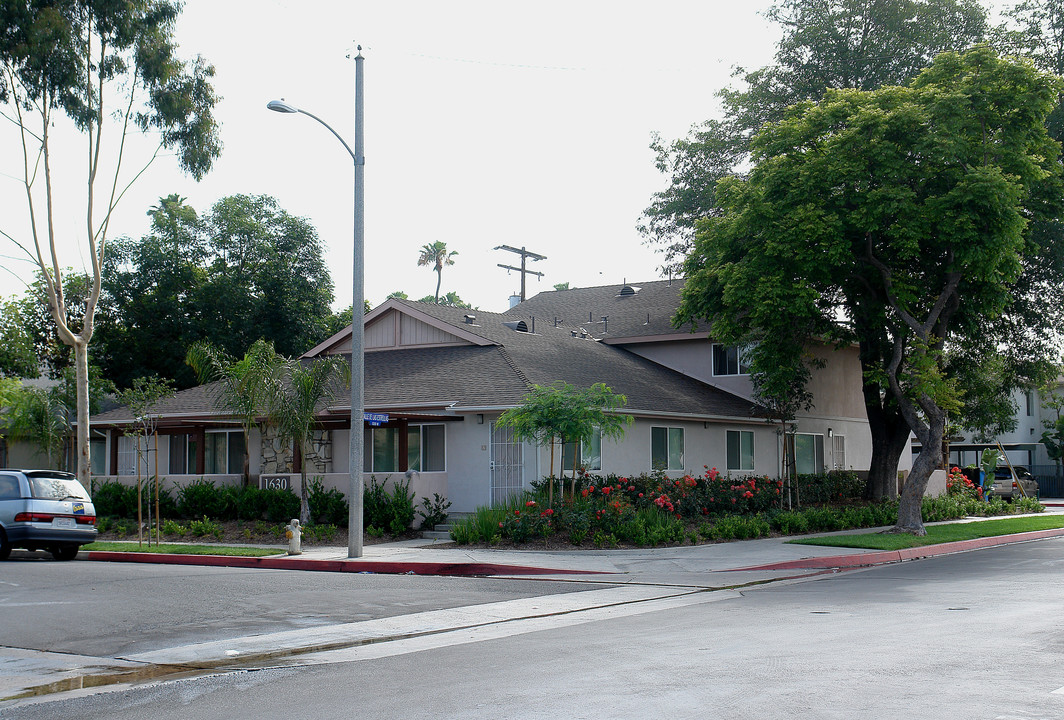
293, 533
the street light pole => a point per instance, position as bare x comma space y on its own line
358, 364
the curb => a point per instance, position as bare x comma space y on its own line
351, 566
887, 557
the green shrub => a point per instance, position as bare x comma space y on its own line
113, 499
791, 523
320, 533
280, 506
199, 498
433, 512
392, 511
327, 507
375, 504
206, 526
251, 503
1028, 505
172, 527
833, 487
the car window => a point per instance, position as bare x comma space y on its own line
57, 488
9, 487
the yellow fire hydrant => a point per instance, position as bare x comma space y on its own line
293, 533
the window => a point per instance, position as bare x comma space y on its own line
223, 452
425, 449
97, 455
666, 448
182, 448
1029, 396
9, 489
729, 360
809, 453
590, 454
740, 450
838, 449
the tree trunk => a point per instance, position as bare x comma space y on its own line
81, 370
910, 517
890, 431
439, 281
304, 496
890, 439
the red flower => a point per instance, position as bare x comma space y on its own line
631, 488
748, 494
530, 503
606, 490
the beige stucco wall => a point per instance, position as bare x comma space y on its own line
836, 388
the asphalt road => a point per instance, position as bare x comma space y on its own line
973, 635
118, 609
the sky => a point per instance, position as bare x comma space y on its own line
486, 124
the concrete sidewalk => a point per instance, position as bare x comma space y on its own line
705, 566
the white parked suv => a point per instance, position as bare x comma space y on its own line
44, 510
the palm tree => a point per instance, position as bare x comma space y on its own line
245, 384
436, 255
297, 390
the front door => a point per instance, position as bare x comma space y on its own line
507, 463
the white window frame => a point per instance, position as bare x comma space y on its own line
589, 461
727, 450
741, 366
818, 467
668, 447
368, 457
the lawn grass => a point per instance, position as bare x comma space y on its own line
948, 532
178, 549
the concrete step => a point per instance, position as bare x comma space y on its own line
436, 534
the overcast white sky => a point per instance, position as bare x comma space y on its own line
487, 123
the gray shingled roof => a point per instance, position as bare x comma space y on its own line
501, 374
647, 312
551, 354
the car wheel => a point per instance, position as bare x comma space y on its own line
65, 552
5, 546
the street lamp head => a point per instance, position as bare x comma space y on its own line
281, 106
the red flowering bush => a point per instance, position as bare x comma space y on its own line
957, 483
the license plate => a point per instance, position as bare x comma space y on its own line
64, 523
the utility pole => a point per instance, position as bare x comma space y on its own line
524, 254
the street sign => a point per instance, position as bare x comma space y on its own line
375, 419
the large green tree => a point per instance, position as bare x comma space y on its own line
828, 44
17, 356
102, 69
908, 206
243, 271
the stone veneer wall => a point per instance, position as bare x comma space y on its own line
277, 453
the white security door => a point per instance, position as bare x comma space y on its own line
506, 465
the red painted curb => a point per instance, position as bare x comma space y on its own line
352, 566
893, 556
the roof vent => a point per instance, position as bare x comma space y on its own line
519, 325
628, 291
470, 319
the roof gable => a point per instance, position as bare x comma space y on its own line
395, 324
